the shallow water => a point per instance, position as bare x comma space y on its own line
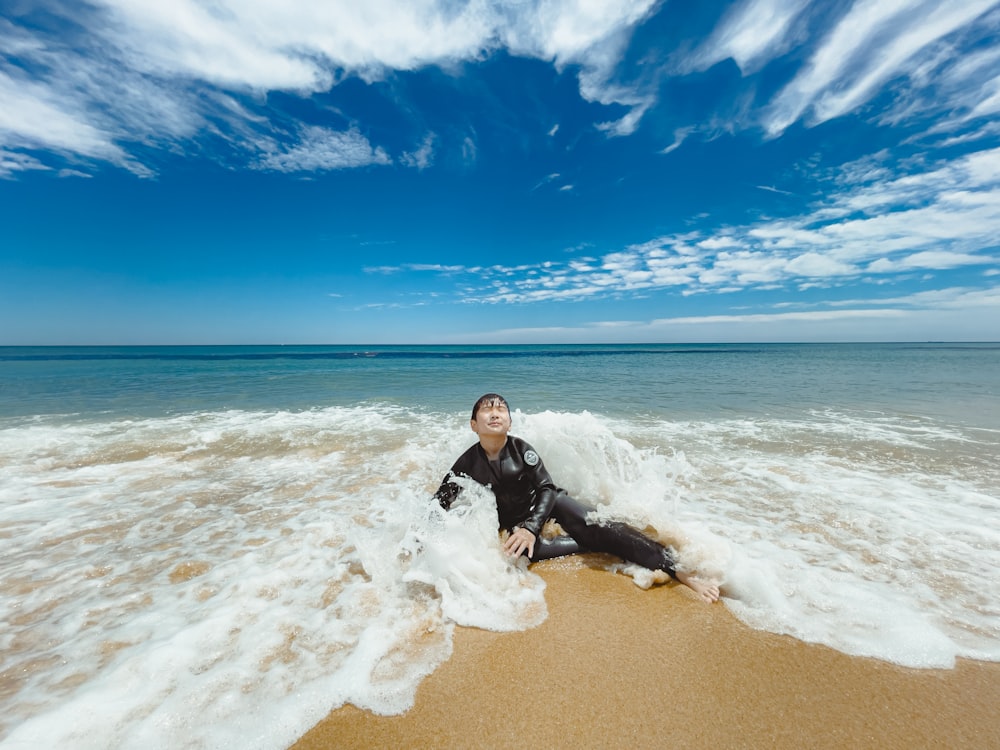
215, 546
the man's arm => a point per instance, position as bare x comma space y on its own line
463, 466
447, 492
545, 500
522, 539
543, 488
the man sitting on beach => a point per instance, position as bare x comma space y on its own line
527, 497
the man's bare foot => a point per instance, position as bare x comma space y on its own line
707, 592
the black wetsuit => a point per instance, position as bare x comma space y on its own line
527, 497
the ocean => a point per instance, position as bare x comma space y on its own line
215, 546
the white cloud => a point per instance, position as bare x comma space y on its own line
74, 173
817, 264
933, 259
944, 217
936, 60
546, 180
161, 74
808, 316
874, 42
954, 314
423, 156
436, 267
164, 74
719, 242
469, 150
320, 149
680, 135
275, 44
773, 189
588, 34
568, 30
33, 117
989, 104
751, 33
422, 267
626, 124
11, 163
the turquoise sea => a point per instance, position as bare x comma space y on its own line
214, 546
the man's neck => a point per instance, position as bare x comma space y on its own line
492, 445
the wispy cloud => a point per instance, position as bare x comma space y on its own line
680, 135
592, 36
807, 316
36, 117
944, 217
751, 33
11, 163
139, 72
765, 326
134, 75
874, 42
934, 58
421, 268
957, 309
321, 149
423, 156
773, 189
546, 180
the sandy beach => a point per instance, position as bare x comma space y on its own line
616, 666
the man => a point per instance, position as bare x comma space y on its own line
527, 497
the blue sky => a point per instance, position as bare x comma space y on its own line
540, 171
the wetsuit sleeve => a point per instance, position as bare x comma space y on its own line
447, 492
545, 501
543, 489
464, 466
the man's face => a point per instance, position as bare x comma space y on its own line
493, 418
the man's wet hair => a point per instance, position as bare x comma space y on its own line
488, 399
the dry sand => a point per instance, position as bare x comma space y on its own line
616, 666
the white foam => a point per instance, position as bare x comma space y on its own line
870, 536
175, 582
225, 579
458, 553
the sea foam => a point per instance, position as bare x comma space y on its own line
227, 578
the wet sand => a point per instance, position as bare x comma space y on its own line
616, 666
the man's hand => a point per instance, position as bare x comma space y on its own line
520, 540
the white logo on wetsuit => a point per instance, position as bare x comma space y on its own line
530, 458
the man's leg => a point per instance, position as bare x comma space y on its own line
557, 546
613, 537
626, 542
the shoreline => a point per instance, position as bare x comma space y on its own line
614, 664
